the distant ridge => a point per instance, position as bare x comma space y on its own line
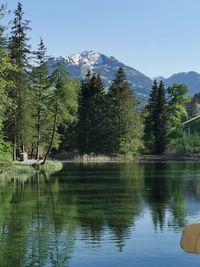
191, 79
78, 65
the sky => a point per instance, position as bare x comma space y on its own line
156, 37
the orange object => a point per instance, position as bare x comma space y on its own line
190, 240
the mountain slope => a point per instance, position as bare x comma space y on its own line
191, 79
78, 65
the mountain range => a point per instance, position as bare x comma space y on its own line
191, 79
77, 65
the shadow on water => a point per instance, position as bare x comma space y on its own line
164, 192
43, 216
30, 228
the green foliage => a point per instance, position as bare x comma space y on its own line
62, 118
52, 166
176, 111
91, 115
5, 150
63, 98
19, 123
161, 121
5, 67
123, 120
62, 107
177, 104
186, 144
155, 131
41, 88
150, 118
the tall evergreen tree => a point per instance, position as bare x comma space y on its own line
5, 68
41, 88
161, 121
91, 115
20, 131
155, 130
150, 119
123, 120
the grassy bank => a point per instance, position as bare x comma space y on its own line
19, 170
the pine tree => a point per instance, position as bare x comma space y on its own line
20, 122
155, 130
150, 119
161, 121
91, 115
41, 88
5, 68
123, 120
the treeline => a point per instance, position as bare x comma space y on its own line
108, 123
163, 118
34, 104
43, 113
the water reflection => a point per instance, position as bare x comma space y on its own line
164, 186
43, 218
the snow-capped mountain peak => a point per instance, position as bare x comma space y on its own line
77, 65
89, 58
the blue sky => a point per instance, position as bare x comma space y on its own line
157, 37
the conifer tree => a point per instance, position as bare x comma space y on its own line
161, 121
5, 68
91, 115
150, 119
155, 130
20, 122
41, 87
123, 120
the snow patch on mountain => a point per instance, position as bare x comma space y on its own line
77, 65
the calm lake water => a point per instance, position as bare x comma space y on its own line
119, 215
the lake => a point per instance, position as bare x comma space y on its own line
127, 214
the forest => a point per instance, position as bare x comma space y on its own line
46, 114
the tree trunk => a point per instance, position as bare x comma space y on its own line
14, 142
14, 151
52, 136
32, 151
38, 126
38, 140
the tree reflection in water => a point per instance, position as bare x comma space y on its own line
42, 217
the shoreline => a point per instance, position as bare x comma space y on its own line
143, 158
105, 159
